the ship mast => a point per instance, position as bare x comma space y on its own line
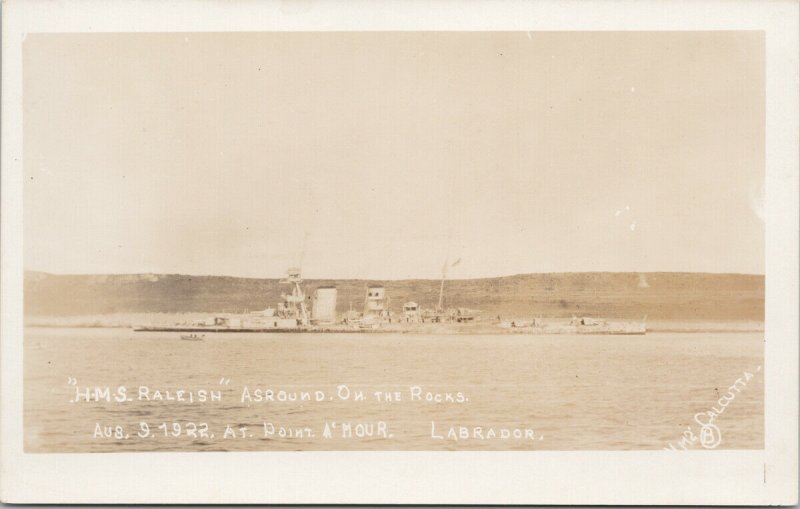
441, 288
439, 307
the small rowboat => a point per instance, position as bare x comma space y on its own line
192, 337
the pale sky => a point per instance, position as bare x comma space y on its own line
379, 155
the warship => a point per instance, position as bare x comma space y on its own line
292, 314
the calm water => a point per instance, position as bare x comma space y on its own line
560, 392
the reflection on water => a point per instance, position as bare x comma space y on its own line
572, 392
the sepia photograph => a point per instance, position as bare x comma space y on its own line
485, 240
385, 240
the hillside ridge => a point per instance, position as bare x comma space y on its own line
659, 295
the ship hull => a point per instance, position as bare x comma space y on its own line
566, 330
604, 329
238, 329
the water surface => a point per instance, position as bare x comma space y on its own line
574, 392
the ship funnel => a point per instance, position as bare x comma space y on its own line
324, 305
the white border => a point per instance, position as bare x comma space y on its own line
657, 477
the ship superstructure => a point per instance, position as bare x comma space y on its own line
293, 305
376, 303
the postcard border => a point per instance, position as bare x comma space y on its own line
542, 477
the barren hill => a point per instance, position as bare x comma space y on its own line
659, 295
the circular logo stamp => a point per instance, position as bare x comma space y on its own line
710, 436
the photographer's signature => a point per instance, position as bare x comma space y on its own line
709, 435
